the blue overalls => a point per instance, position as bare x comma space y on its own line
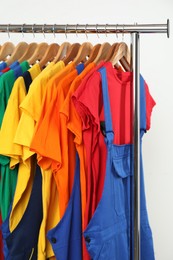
21, 243
66, 237
108, 234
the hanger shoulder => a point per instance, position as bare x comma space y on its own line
93, 54
111, 51
102, 52
31, 48
38, 53
6, 49
84, 51
72, 52
63, 49
49, 54
19, 50
122, 54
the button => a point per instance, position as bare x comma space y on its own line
53, 240
87, 239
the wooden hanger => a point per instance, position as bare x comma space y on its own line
6, 49
111, 51
63, 49
19, 50
122, 55
93, 54
102, 52
84, 51
31, 48
38, 53
72, 52
49, 55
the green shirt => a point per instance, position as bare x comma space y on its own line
8, 177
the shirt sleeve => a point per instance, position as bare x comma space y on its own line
10, 123
86, 100
45, 141
150, 103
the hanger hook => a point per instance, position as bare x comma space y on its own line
8, 30
22, 29
123, 33
86, 31
43, 30
53, 30
66, 30
97, 30
76, 30
117, 31
106, 30
33, 30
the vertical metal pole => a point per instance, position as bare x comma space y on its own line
136, 142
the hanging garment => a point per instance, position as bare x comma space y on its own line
22, 242
47, 150
108, 235
66, 237
8, 177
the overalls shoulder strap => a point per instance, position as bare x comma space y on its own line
142, 106
107, 109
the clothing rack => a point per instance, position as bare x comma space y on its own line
135, 31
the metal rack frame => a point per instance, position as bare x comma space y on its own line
135, 31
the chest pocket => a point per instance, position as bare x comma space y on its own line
121, 183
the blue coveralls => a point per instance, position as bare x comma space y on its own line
66, 237
109, 235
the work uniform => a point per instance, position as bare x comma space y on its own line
108, 234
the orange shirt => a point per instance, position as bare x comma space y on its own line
46, 120
52, 142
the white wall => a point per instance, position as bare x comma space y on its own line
156, 67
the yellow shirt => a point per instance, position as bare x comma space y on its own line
14, 151
31, 109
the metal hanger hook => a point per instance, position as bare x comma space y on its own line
53, 30
97, 30
33, 30
117, 31
123, 33
76, 30
106, 30
8, 30
43, 30
66, 30
86, 31
22, 29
